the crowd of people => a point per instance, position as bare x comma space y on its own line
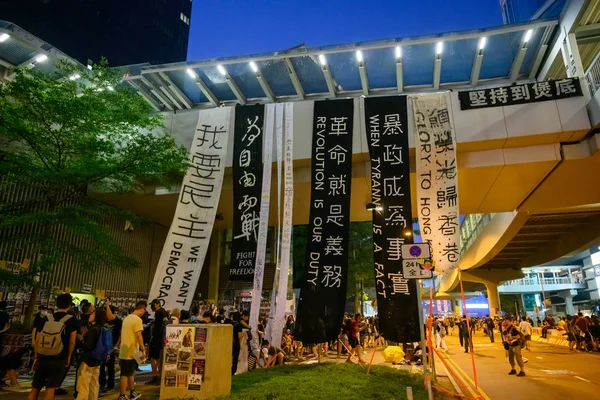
94, 337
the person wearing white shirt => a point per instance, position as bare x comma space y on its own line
525, 328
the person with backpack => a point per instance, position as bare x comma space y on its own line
97, 346
54, 345
440, 333
107, 369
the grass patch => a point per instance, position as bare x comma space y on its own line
328, 381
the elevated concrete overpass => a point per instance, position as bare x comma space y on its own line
505, 154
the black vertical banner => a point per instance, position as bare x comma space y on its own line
397, 298
247, 186
323, 291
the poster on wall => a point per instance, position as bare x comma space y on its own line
170, 375
183, 253
182, 380
397, 297
200, 342
171, 352
183, 359
197, 375
247, 183
187, 337
173, 333
323, 293
437, 179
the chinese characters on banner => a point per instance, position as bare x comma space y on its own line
323, 292
183, 254
286, 232
397, 297
263, 224
247, 183
437, 179
520, 94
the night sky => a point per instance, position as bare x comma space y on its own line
224, 28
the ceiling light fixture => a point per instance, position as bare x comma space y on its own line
398, 52
322, 59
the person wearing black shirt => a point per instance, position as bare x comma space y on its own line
107, 369
49, 371
489, 323
89, 367
272, 355
38, 319
512, 343
238, 336
4, 320
157, 342
464, 332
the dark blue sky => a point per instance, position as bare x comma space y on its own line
223, 28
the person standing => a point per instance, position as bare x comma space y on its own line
440, 332
52, 359
131, 342
512, 343
489, 324
525, 328
353, 331
107, 369
238, 336
157, 342
465, 333
89, 366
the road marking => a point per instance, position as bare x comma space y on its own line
558, 372
583, 379
464, 374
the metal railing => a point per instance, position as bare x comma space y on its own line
537, 282
592, 75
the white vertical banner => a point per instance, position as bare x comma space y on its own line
183, 254
286, 232
437, 179
263, 225
279, 151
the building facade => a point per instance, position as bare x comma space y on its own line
122, 31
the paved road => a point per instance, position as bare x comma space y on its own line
553, 372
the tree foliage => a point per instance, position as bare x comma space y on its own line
65, 136
360, 260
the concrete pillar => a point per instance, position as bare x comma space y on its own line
493, 298
569, 304
568, 296
214, 266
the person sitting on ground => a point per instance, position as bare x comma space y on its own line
10, 365
272, 355
195, 317
185, 317
175, 315
206, 318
